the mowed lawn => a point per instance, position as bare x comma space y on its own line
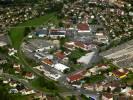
16, 33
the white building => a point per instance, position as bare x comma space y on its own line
30, 36
86, 59
47, 73
13, 91
61, 67
12, 52
54, 76
27, 91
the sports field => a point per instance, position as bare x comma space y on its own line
16, 33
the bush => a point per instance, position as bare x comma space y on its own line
94, 79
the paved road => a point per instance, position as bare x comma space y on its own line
26, 83
23, 81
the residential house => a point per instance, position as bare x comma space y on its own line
83, 28
13, 91
60, 55
40, 96
76, 77
27, 91
125, 89
13, 83
112, 85
29, 75
93, 71
77, 84
130, 93
3, 61
12, 52
40, 68
6, 81
99, 87
17, 68
89, 86
120, 73
47, 62
70, 46
102, 66
81, 45
107, 96
20, 86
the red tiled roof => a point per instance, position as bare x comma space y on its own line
17, 69
101, 65
83, 26
29, 74
47, 61
76, 76
120, 73
79, 44
60, 55
131, 92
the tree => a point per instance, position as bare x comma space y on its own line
66, 71
76, 54
108, 89
84, 97
60, 24
73, 97
27, 30
43, 83
4, 95
62, 42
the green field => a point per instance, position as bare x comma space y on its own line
16, 33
